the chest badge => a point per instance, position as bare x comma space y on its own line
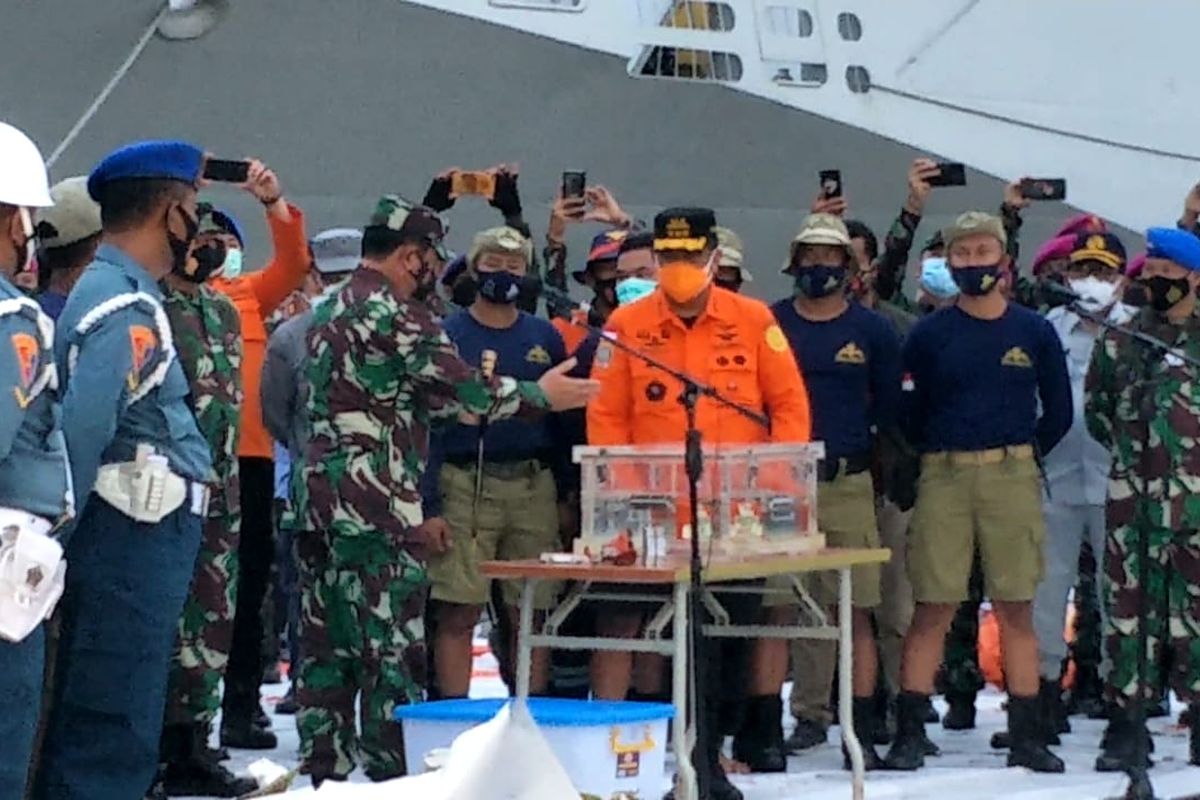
850, 353
1016, 357
538, 355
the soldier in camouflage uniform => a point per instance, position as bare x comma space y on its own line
380, 370
1143, 405
207, 331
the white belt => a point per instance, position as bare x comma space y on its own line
32, 573
146, 490
23, 520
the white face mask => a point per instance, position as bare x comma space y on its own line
232, 267
1095, 294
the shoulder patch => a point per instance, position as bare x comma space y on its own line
776, 340
142, 344
28, 351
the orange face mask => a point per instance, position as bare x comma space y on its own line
683, 281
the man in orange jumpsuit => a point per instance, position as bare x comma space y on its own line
721, 339
256, 296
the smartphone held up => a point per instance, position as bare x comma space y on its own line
831, 183
220, 170
1044, 188
574, 183
950, 173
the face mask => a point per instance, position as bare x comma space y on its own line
977, 281
233, 264
1165, 293
820, 280
502, 288
633, 289
1094, 293
179, 247
937, 280
206, 259
683, 281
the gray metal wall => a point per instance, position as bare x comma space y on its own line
349, 99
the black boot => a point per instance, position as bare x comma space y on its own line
1161, 707
1118, 746
190, 771
1194, 734
865, 724
1086, 696
931, 714
960, 716
287, 704
239, 732
1028, 737
908, 750
759, 743
806, 735
260, 717
1053, 711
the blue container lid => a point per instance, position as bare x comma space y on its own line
545, 710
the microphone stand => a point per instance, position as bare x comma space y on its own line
1140, 787
693, 460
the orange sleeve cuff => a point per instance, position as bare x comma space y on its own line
289, 263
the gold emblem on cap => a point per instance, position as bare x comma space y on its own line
678, 228
1096, 243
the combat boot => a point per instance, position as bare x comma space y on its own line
865, 724
1194, 734
960, 714
759, 742
1118, 746
190, 770
287, 705
908, 749
806, 735
1086, 696
239, 732
1028, 737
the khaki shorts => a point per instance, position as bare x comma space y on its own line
964, 501
846, 515
517, 519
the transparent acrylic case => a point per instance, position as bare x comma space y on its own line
754, 499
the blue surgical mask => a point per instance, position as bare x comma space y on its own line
937, 280
632, 289
499, 287
232, 267
977, 281
820, 280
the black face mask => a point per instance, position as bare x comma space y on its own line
1165, 293
426, 280
180, 247
204, 261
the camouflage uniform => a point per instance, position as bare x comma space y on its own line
207, 332
380, 370
1139, 400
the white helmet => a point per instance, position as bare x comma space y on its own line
23, 179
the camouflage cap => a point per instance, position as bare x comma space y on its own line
503, 240
411, 221
972, 223
213, 220
75, 216
731, 251
820, 228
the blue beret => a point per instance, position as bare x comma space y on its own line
1175, 245
160, 160
216, 219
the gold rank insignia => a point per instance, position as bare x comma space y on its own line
776, 340
678, 228
1016, 357
1096, 243
537, 355
850, 354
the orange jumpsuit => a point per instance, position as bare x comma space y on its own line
256, 295
735, 346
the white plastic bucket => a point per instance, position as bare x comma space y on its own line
607, 748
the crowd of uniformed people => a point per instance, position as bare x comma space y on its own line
202, 459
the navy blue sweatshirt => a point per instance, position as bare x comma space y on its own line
974, 384
851, 366
524, 351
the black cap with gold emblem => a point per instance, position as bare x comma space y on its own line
684, 229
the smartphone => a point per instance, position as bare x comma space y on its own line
1044, 188
952, 174
831, 183
573, 183
482, 184
224, 171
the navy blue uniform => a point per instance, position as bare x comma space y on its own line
851, 366
127, 581
975, 384
524, 351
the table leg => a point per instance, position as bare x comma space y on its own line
846, 681
524, 648
686, 782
